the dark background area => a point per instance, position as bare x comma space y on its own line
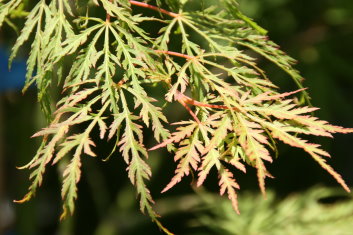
318, 33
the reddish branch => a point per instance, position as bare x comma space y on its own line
188, 57
185, 101
107, 18
181, 98
188, 100
145, 5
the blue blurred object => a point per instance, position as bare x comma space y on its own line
14, 79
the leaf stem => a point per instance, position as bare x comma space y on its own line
188, 100
145, 5
173, 53
107, 18
183, 103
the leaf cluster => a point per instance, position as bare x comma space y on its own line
236, 113
316, 211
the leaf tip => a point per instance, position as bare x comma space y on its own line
26, 198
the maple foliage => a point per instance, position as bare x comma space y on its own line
298, 213
236, 113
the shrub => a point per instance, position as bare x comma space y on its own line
103, 56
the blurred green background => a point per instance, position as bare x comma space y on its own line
319, 34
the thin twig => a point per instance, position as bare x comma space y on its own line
173, 53
107, 18
181, 101
188, 100
145, 5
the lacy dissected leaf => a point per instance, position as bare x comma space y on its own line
72, 175
243, 31
212, 153
228, 184
181, 133
271, 51
254, 142
221, 130
105, 64
282, 132
209, 160
7, 8
132, 148
149, 112
56, 137
188, 156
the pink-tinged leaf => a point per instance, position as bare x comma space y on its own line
66, 147
214, 119
255, 100
266, 97
152, 113
71, 175
281, 111
280, 96
261, 175
244, 97
77, 97
208, 161
131, 141
338, 129
180, 86
219, 134
87, 147
43, 157
228, 184
102, 128
279, 132
305, 109
312, 149
131, 146
330, 170
235, 162
287, 110
180, 133
138, 168
138, 172
188, 157
253, 142
45, 131
118, 119
321, 127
